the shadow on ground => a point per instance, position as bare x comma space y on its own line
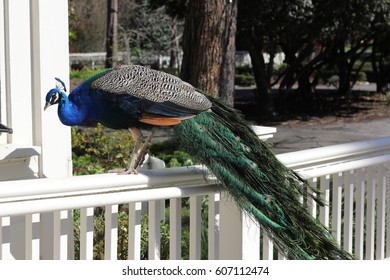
324, 106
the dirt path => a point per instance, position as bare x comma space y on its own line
370, 118
289, 139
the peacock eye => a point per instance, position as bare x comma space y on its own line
54, 99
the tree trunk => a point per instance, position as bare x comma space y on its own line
380, 67
173, 61
344, 71
226, 79
260, 71
112, 34
209, 46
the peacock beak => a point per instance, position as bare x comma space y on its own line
47, 105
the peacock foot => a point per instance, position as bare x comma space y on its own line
129, 171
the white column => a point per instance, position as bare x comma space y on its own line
50, 58
17, 67
239, 233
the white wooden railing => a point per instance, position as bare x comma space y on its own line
354, 179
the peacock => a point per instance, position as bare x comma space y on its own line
135, 97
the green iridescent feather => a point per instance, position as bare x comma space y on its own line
258, 182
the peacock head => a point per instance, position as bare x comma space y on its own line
56, 95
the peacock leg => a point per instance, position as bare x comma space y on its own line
138, 154
143, 151
137, 138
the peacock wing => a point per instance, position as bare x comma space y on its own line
159, 92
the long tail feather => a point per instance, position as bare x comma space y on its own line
259, 183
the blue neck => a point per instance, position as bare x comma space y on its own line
71, 113
79, 105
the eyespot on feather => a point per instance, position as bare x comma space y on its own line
251, 164
266, 198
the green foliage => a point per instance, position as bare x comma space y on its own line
360, 76
72, 17
86, 164
98, 149
244, 80
164, 238
167, 151
244, 69
80, 75
76, 231
244, 76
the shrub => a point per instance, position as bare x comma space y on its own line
244, 76
99, 149
244, 80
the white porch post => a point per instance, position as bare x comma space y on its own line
50, 58
239, 233
17, 63
33, 49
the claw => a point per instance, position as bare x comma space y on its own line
124, 171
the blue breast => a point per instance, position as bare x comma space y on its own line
114, 111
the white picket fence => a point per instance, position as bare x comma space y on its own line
37, 215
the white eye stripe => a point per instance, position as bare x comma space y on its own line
55, 98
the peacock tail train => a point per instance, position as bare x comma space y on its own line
258, 182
